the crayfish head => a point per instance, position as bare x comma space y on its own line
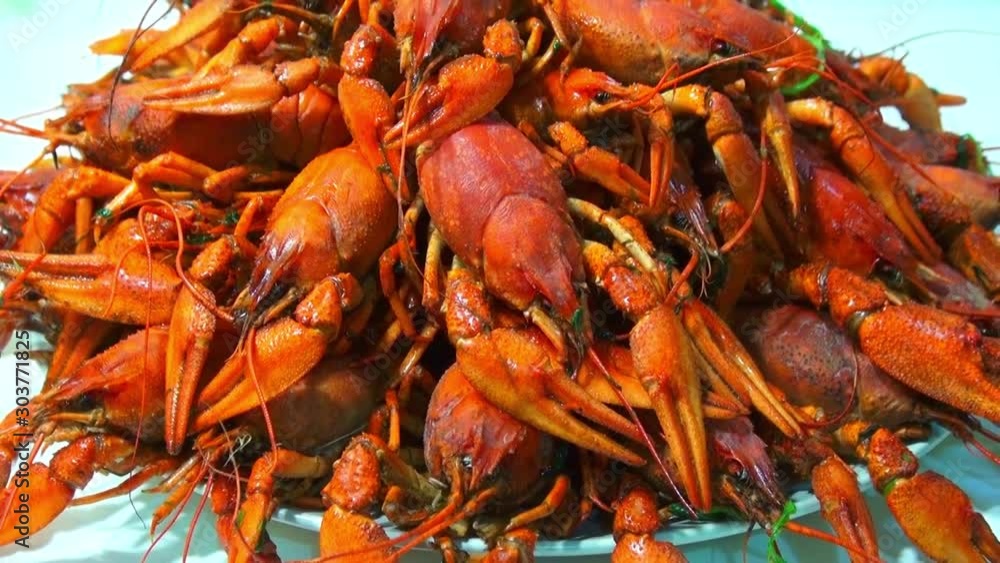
93, 127
487, 442
298, 251
116, 130
749, 500
749, 480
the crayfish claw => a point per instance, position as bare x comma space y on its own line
515, 372
935, 514
843, 505
243, 90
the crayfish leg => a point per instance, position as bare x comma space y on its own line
71, 468
56, 208
259, 502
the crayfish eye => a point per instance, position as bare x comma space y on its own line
602, 97
737, 470
724, 48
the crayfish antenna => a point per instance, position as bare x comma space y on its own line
185, 498
988, 312
808, 532
970, 440
964, 428
182, 483
642, 430
189, 535
199, 20
14, 128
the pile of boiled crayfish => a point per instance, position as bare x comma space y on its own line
497, 268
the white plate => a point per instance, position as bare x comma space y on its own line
602, 543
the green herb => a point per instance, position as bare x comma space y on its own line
973, 159
715, 514
772, 542
577, 321
232, 217
815, 38
198, 238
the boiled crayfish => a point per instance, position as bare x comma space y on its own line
503, 268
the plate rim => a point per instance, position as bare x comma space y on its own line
684, 533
